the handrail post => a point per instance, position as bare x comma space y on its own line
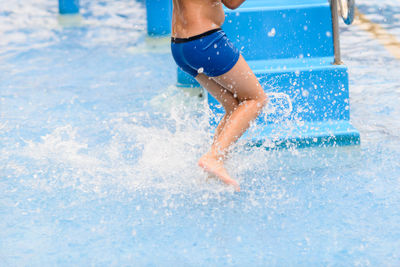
335, 28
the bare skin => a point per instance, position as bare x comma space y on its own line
238, 90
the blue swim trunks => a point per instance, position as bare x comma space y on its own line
210, 53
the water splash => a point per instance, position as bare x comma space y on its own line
84, 181
280, 105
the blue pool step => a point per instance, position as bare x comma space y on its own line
306, 134
289, 46
316, 89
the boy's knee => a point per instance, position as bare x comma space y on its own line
230, 105
231, 108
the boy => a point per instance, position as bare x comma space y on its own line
201, 48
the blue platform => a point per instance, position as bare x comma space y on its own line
289, 46
68, 6
159, 15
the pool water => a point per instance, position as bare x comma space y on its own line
98, 153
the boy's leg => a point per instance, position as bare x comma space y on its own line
230, 104
242, 85
223, 96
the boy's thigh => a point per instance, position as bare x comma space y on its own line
224, 96
241, 81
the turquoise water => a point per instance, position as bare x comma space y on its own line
98, 153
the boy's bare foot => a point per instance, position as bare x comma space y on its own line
216, 167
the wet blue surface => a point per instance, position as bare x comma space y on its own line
98, 153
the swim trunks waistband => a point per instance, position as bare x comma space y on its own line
184, 40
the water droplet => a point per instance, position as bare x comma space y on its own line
272, 32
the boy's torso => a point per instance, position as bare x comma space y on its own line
193, 17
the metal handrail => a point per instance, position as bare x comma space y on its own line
347, 18
347, 10
335, 28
